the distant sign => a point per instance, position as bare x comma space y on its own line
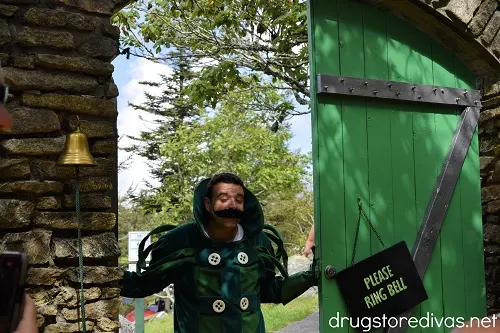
134, 239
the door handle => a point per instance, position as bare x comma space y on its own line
330, 272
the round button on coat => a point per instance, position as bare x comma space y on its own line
214, 259
219, 306
242, 258
244, 303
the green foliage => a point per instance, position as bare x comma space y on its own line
228, 139
293, 216
238, 69
239, 43
131, 218
173, 108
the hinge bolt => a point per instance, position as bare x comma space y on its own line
325, 88
342, 80
419, 97
398, 93
413, 88
434, 89
442, 91
366, 83
390, 85
457, 99
465, 93
375, 92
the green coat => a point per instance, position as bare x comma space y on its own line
219, 287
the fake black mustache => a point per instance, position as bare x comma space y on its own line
231, 212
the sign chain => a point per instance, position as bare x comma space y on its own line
361, 213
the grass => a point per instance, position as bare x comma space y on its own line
276, 316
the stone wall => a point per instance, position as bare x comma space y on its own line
56, 58
489, 128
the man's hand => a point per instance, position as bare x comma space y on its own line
28, 322
309, 242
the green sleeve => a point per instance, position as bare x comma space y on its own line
138, 286
270, 290
276, 289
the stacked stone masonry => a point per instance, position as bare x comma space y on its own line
56, 56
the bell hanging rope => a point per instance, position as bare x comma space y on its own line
77, 153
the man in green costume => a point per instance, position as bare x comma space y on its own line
222, 264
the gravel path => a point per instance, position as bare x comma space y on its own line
309, 324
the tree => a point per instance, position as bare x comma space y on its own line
293, 216
238, 43
232, 139
172, 108
132, 218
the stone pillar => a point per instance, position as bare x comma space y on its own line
56, 58
489, 126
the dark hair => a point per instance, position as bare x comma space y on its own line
226, 177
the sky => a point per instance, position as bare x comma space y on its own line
127, 75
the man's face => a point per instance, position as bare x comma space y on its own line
5, 118
225, 196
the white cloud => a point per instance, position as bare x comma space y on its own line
301, 129
129, 122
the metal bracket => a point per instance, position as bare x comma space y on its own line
403, 91
441, 196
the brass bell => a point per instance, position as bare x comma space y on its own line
76, 150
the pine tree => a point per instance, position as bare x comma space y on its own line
172, 109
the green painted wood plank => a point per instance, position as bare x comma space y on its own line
354, 131
327, 157
331, 210
400, 57
470, 185
379, 131
427, 170
425, 177
451, 231
410, 52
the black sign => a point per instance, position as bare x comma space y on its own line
385, 283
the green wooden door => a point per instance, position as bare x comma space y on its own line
389, 154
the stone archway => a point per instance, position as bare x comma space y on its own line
57, 58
